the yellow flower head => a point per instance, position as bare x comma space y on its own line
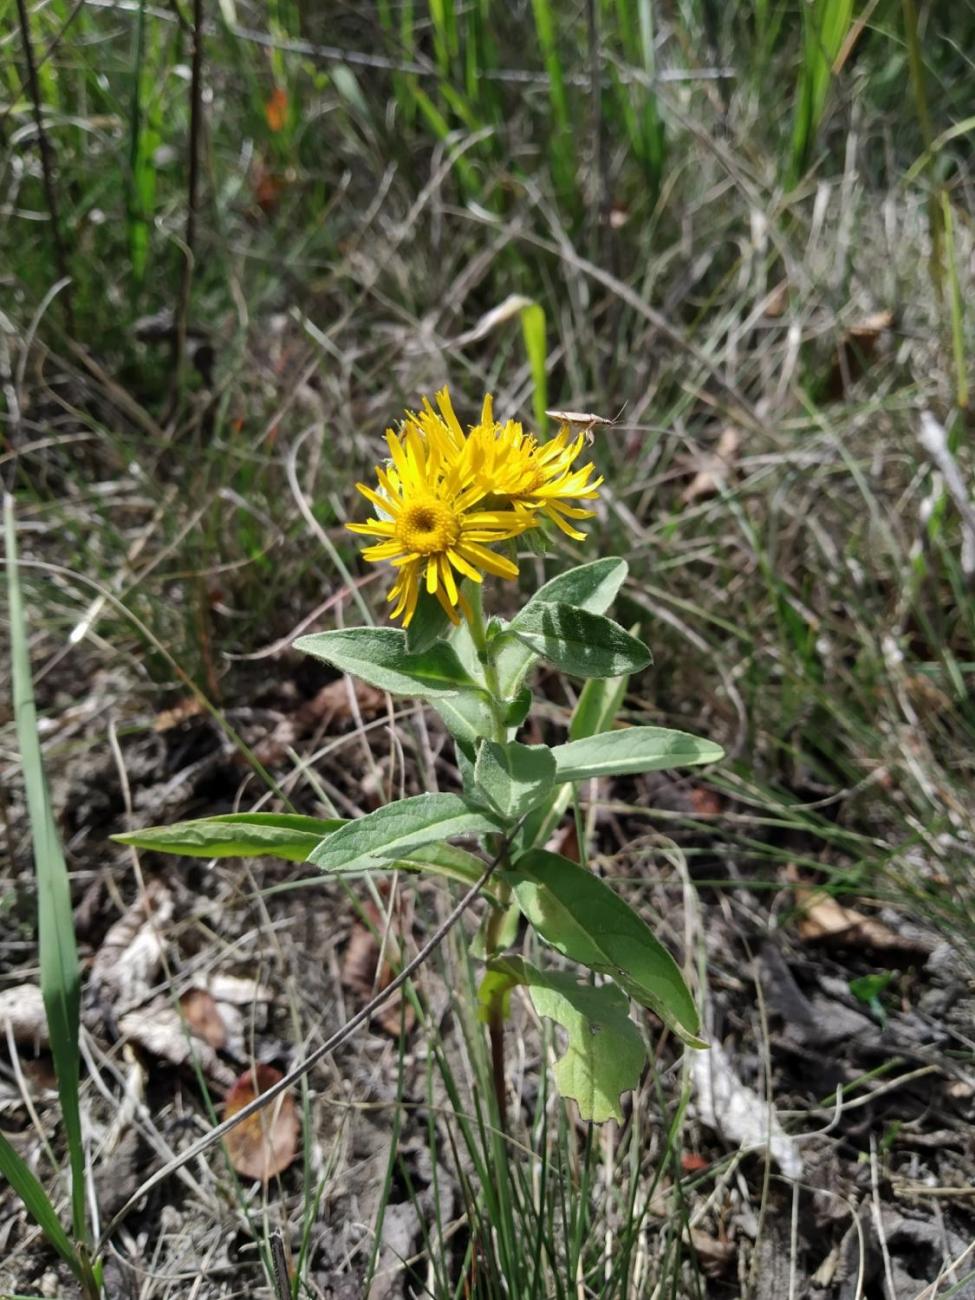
445, 496
427, 526
508, 464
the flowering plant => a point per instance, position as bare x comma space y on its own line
444, 501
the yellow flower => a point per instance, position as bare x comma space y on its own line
427, 526
506, 463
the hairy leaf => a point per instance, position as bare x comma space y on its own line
633, 749
580, 643
592, 587
400, 829
379, 655
513, 777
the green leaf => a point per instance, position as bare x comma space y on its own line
428, 625
597, 706
596, 709
24, 1183
592, 587
379, 656
288, 836
514, 778
578, 914
604, 1055
634, 749
237, 835
516, 709
467, 716
580, 643
533, 333
399, 829
60, 970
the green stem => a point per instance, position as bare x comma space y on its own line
479, 637
492, 933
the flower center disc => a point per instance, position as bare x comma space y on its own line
427, 527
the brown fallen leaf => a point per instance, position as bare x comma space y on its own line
276, 109
564, 840
713, 1255
182, 711
823, 919
266, 1143
128, 961
361, 974
332, 704
856, 349
160, 1030
714, 469
203, 1017
704, 802
777, 301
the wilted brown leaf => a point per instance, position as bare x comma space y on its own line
704, 802
713, 1255
565, 841
856, 349
160, 1030
266, 1143
362, 975
203, 1017
823, 919
128, 961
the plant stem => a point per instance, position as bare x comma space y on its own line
479, 637
492, 933
492, 943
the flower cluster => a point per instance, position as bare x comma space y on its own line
445, 496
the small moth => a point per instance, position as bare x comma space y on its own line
587, 420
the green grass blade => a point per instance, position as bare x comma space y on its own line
563, 153
826, 23
60, 972
20, 1177
533, 333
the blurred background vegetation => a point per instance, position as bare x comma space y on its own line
238, 239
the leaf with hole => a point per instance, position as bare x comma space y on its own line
584, 919
604, 1054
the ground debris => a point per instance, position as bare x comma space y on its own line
736, 1112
